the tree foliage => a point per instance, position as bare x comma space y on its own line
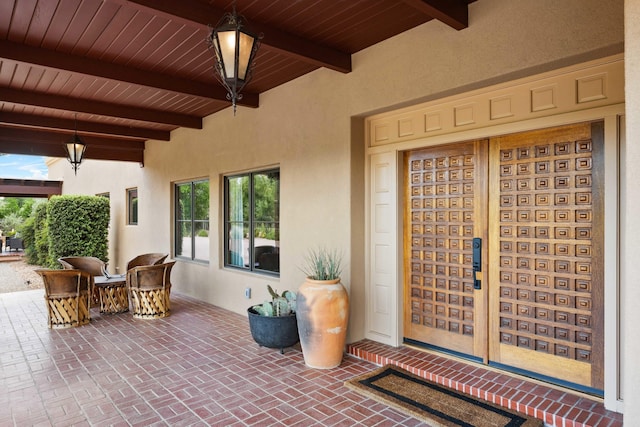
19, 206
14, 211
10, 224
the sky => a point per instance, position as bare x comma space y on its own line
22, 167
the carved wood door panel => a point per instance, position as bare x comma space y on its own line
546, 234
445, 209
535, 200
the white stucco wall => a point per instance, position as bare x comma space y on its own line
305, 128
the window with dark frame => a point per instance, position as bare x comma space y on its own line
191, 231
132, 206
252, 221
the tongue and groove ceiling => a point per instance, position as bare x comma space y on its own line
125, 71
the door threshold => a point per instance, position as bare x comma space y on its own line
510, 370
555, 405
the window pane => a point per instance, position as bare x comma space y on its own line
201, 190
267, 198
132, 201
238, 252
201, 240
252, 221
192, 220
267, 247
238, 206
183, 208
183, 238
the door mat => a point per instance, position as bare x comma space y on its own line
433, 403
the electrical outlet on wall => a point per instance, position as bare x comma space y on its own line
247, 293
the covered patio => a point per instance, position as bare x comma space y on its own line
200, 366
335, 114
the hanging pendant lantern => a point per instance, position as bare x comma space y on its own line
75, 150
234, 50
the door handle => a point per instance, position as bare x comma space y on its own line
477, 262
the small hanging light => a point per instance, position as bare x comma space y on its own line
234, 50
75, 149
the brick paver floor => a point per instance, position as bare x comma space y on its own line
197, 367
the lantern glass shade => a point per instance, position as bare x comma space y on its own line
245, 48
234, 50
227, 52
75, 151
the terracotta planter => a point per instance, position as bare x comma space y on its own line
323, 314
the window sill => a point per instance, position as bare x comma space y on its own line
191, 261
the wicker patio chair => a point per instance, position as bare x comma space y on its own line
150, 288
68, 297
146, 259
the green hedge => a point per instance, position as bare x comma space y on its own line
41, 238
28, 233
77, 226
34, 235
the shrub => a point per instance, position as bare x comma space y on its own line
28, 233
41, 235
77, 226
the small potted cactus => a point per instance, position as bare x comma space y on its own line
273, 324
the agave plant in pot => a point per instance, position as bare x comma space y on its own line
323, 310
273, 323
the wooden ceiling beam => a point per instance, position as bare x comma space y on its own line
304, 50
454, 13
91, 67
45, 122
10, 187
57, 150
198, 12
18, 135
97, 107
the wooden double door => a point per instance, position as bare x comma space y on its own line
504, 251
